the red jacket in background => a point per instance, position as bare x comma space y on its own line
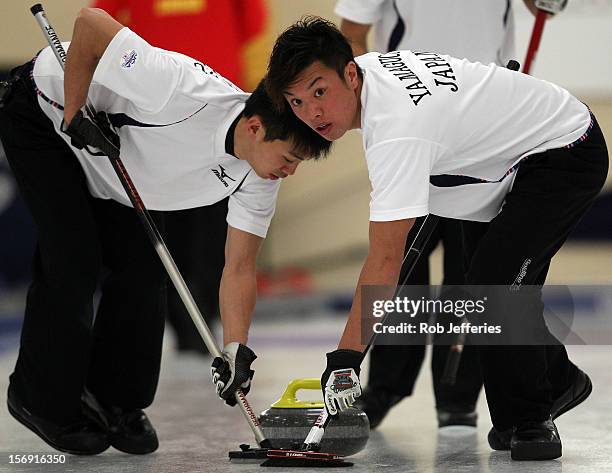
212, 31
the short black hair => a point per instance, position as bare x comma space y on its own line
284, 125
310, 39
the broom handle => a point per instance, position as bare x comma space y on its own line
534, 43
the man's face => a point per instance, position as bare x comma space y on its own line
274, 159
324, 101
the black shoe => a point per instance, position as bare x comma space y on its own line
83, 437
499, 439
129, 430
535, 441
578, 391
451, 418
376, 404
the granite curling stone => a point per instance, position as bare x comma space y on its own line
287, 422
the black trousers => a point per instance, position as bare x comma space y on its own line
551, 192
196, 238
62, 349
395, 368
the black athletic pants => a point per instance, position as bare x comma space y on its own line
62, 350
196, 238
551, 192
395, 368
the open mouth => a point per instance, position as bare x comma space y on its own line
280, 175
323, 129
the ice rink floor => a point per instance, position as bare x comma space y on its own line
196, 430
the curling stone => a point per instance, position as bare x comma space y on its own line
288, 421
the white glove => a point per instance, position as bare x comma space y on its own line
341, 390
551, 6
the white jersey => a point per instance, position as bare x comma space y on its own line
443, 135
172, 114
479, 30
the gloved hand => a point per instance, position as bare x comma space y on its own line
85, 132
232, 370
551, 6
340, 380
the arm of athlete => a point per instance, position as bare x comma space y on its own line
382, 268
93, 30
357, 34
237, 295
238, 289
530, 4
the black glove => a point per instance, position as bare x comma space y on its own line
340, 380
85, 132
232, 370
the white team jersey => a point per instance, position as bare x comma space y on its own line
458, 125
172, 114
479, 30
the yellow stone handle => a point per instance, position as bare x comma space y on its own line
289, 398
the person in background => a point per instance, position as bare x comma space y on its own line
479, 30
229, 35
225, 37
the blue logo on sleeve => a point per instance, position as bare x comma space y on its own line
129, 59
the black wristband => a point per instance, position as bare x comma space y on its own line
245, 354
344, 358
